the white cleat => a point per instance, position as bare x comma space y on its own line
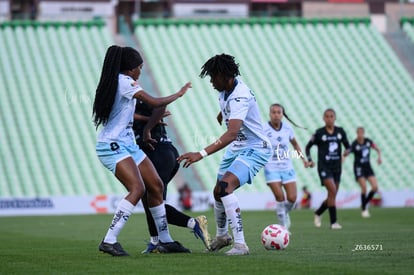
238, 249
365, 214
317, 221
336, 226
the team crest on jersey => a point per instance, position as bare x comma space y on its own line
279, 139
358, 147
368, 144
324, 137
339, 136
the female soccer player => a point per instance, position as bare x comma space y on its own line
279, 170
361, 147
248, 151
151, 136
113, 108
328, 139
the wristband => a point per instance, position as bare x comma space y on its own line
203, 153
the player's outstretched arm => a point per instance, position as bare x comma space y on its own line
229, 136
161, 101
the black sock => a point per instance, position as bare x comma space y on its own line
363, 201
369, 197
322, 208
176, 217
332, 214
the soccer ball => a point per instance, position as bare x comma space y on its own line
275, 237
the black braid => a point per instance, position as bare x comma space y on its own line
108, 84
286, 116
117, 59
222, 64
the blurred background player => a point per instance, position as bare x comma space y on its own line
113, 108
248, 151
186, 200
151, 136
361, 148
305, 202
279, 170
328, 140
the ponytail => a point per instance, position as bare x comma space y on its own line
108, 84
286, 116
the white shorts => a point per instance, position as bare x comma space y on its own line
112, 153
286, 176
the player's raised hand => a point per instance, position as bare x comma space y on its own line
184, 89
310, 164
189, 158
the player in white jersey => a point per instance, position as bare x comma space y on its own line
114, 108
279, 170
248, 149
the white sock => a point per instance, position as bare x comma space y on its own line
281, 212
154, 239
191, 223
160, 219
289, 206
221, 219
231, 205
122, 213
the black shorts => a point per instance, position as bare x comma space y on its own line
327, 173
363, 171
164, 159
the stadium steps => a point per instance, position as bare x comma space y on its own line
49, 72
308, 66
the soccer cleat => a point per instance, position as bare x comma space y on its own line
317, 221
220, 241
151, 248
336, 226
172, 247
365, 214
238, 249
201, 232
113, 249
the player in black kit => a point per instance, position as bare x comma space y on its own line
328, 139
361, 147
152, 138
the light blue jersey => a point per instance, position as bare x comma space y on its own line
241, 104
245, 156
119, 126
280, 141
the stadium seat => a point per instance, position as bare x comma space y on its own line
307, 65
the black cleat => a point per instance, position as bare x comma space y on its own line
172, 247
113, 249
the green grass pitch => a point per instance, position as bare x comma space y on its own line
69, 244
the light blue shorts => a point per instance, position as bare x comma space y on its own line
112, 153
284, 177
244, 164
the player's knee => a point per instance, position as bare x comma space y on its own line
221, 189
155, 187
292, 198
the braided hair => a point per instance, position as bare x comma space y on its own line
222, 64
285, 115
117, 59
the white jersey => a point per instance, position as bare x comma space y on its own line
280, 140
241, 104
120, 121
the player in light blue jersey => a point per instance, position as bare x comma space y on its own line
279, 170
248, 149
114, 108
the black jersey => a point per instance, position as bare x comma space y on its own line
158, 132
362, 151
329, 147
